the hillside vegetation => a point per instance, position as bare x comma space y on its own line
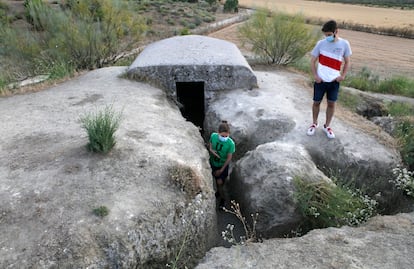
59, 39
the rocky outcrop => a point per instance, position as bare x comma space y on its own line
269, 126
50, 184
385, 242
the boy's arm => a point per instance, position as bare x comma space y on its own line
314, 71
212, 151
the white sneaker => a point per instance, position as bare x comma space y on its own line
328, 131
312, 129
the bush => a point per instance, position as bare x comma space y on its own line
101, 127
405, 135
231, 6
326, 205
364, 80
101, 211
278, 38
211, 2
397, 85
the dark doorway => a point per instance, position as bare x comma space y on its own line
191, 96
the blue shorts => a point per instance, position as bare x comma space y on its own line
223, 175
330, 88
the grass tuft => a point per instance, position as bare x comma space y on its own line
101, 127
101, 211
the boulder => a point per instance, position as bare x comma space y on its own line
385, 242
262, 182
155, 183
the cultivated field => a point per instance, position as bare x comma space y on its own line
384, 55
375, 16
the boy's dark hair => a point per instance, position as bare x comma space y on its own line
224, 127
329, 26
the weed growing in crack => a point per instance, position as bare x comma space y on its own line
250, 235
186, 178
101, 211
181, 257
101, 127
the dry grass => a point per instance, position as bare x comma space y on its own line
186, 179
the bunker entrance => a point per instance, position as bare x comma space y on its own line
191, 97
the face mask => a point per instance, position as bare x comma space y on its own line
222, 138
330, 38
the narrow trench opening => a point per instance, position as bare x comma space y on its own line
191, 97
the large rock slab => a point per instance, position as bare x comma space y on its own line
385, 242
50, 183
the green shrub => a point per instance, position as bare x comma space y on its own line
211, 2
185, 31
397, 109
326, 205
101, 211
405, 135
231, 6
32, 8
101, 127
397, 85
364, 80
278, 38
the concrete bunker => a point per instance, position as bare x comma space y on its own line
192, 69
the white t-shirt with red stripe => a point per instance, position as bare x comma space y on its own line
330, 56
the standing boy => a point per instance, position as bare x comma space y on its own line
328, 56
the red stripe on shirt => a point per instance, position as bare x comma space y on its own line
330, 62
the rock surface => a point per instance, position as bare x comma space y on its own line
385, 242
50, 183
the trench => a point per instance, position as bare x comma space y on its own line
191, 97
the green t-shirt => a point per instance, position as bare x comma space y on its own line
222, 149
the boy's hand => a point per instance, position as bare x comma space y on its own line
215, 154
